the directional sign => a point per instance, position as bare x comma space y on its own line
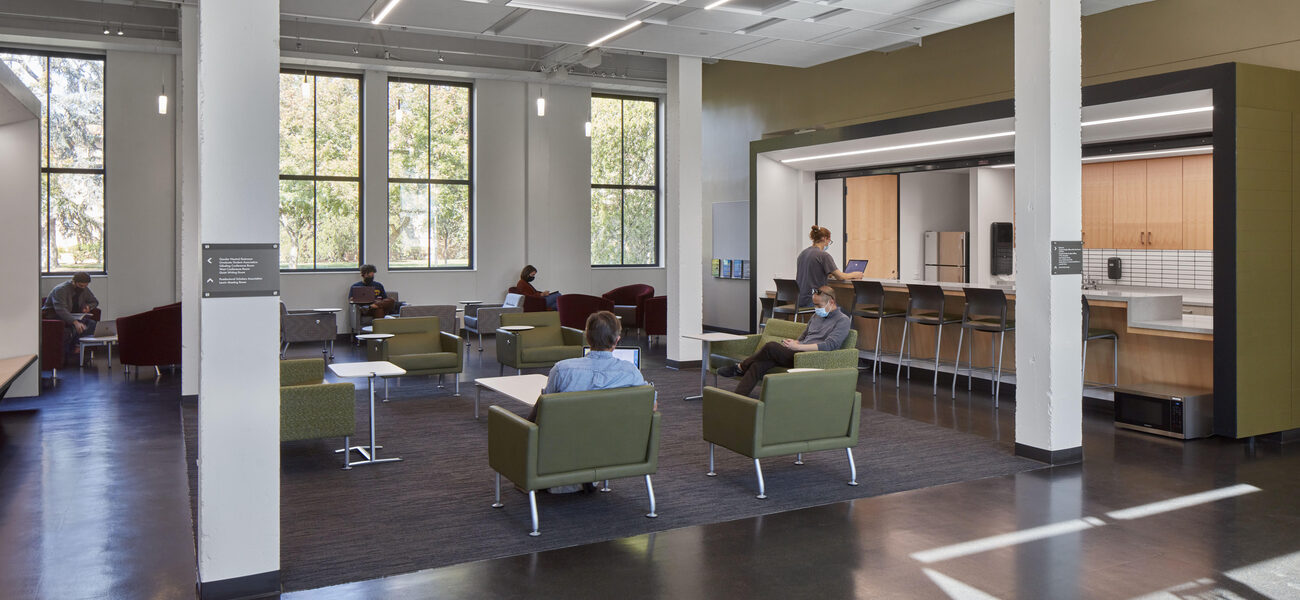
241, 270
1067, 258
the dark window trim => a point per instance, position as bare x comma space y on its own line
469, 183
361, 164
623, 187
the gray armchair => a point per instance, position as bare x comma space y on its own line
307, 326
359, 320
487, 317
446, 314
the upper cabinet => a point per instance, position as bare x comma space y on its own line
1098, 199
1198, 202
1156, 204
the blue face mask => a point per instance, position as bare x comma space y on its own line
821, 311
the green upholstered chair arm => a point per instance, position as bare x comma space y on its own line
317, 411
452, 343
512, 446
572, 337
732, 421
302, 371
737, 349
830, 359
508, 349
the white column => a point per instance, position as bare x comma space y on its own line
239, 407
20, 134
1048, 207
185, 101
683, 212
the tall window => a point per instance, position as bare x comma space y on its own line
71, 91
430, 162
320, 171
624, 181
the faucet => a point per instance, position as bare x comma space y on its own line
1091, 284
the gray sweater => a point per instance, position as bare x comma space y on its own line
66, 299
827, 332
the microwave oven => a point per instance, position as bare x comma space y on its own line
1168, 410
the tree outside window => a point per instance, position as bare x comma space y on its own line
430, 161
624, 181
72, 174
320, 171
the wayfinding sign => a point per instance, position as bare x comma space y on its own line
1067, 258
241, 270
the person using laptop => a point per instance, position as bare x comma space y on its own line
826, 331
69, 302
382, 304
525, 287
814, 265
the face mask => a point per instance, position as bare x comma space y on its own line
821, 311
530, 278
368, 280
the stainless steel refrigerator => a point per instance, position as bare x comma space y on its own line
946, 256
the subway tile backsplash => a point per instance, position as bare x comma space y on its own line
1192, 269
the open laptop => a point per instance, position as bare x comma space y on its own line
362, 294
856, 265
631, 354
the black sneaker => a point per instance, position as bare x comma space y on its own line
730, 371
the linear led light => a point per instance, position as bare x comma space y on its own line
972, 138
617, 32
1171, 113
1104, 157
716, 4
384, 12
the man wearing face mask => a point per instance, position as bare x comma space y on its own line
826, 331
382, 305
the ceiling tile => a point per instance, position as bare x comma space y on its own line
610, 9
753, 7
859, 19
792, 54
798, 31
555, 27
329, 9
716, 20
964, 12
797, 11
915, 27
867, 39
447, 15
893, 7
680, 40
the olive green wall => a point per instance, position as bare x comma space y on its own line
1268, 256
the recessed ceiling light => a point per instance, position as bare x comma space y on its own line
614, 34
972, 138
716, 4
1188, 150
1170, 113
384, 12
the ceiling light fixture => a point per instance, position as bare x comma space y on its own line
440, 58
973, 138
616, 33
384, 12
107, 30
716, 4
1187, 150
162, 100
119, 30
355, 51
541, 102
306, 87
1171, 113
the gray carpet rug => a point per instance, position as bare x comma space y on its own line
434, 508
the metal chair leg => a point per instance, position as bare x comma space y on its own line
1084, 374
1114, 367
650, 490
798, 458
501, 370
532, 507
498, 503
901, 346
997, 382
938, 339
762, 493
711, 473
385, 389
480, 341
970, 361
457, 376
605, 488
875, 368
347, 460
853, 468
956, 368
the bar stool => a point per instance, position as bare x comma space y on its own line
924, 307
1090, 334
787, 299
869, 302
767, 303
986, 310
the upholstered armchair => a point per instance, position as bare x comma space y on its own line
446, 314
311, 408
727, 353
655, 315
575, 308
528, 303
542, 346
419, 346
795, 413
487, 317
629, 303
307, 326
52, 332
151, 338
359, 320
579, 437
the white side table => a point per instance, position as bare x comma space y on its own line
107, 341
377, 338
369, 370
707, 339
524, 388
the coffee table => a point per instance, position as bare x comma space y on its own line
369, 370
107, 341
524, 388
707, 339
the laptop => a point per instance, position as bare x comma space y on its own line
362, 294
631, 354
855, 266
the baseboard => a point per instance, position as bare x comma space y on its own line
681, 365
261, 585
1066, 456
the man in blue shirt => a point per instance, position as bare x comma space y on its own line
383, 305
826, 331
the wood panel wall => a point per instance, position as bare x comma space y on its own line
871, 223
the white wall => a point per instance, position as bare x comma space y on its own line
19, 193
140, 195
780, 230
830, 214
992, 193
933, 201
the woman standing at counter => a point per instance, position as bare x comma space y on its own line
814, 265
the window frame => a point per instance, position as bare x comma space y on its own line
389, 180
43, 171
623, 187
359, 179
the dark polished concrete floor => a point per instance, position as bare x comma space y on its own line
94, 499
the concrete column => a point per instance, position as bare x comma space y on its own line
1048, 207
683, 209
20, 134
185, 101
239, 407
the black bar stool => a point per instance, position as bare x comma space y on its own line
787, 299
869, 302
924, 307
1090, 334
767, 303
986, 310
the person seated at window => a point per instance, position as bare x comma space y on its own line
525, 287
70, 302
826, 331
383, 305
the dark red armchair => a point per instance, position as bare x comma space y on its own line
629, 302
151, 338
656, 315
52, 332
531, 303
575, 308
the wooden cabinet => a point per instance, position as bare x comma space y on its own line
1130, 204
1198, 202
1165, 204
1155, 204
871, 223
1098, 194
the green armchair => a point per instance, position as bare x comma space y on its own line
542, 346
579, 437
420, 346
796, 413
310, 408
730, 353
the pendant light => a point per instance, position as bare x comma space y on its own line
586, 127
541, 101
162, 100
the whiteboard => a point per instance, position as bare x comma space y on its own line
731, 230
